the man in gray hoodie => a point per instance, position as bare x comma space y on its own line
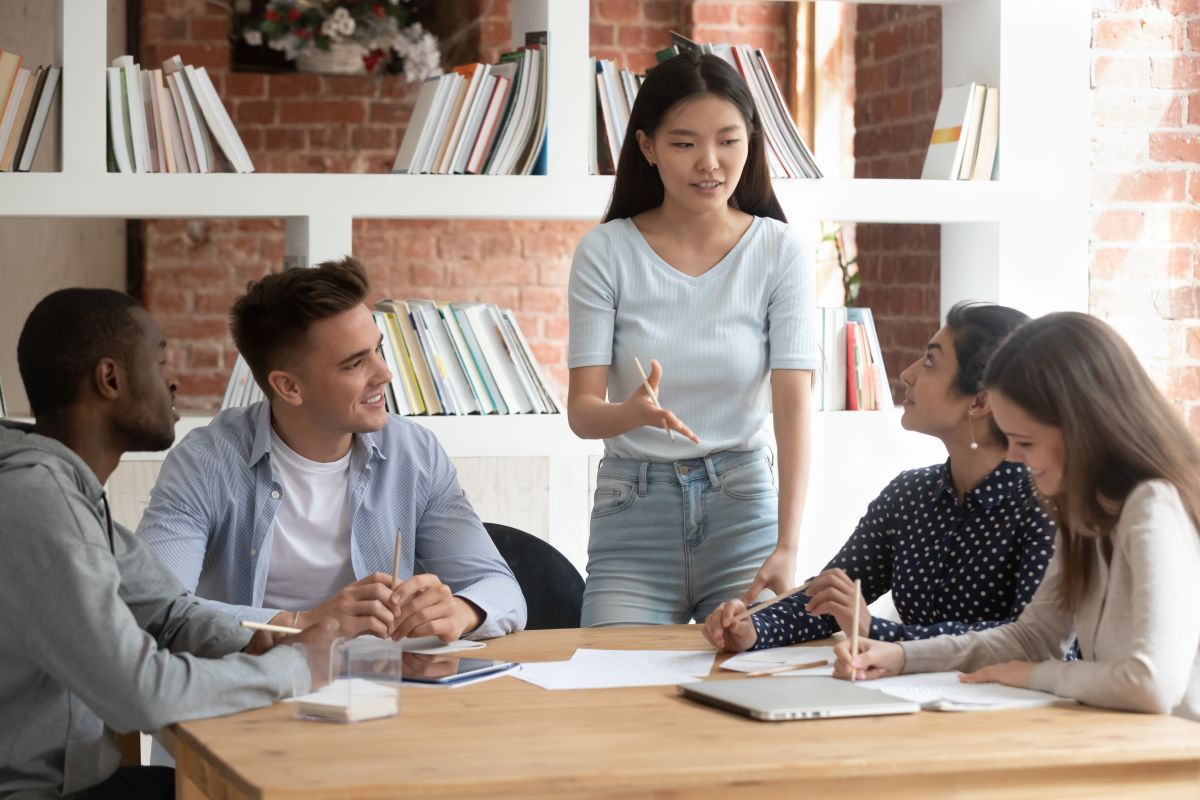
97, 636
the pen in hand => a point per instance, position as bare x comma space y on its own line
653, 395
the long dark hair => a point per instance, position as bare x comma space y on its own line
977, 330
1073, 372
638, 186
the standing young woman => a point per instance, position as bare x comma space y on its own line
1118, 468
961, 545
696, 273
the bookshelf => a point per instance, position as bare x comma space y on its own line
1021, 240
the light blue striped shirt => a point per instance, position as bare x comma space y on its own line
212, 513
717, 335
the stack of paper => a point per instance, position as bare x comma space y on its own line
942, 691
606, 669
349, 700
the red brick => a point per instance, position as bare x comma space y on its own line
389, 113
889, 43
163, 300
631, 36
601, 35
620, 10
1142, 110
210, 30
329, 138
213, 55
1137, 34
503, 296
545, 246
460, 246
1175, 147
554, 273
216, 302
1175, 72
1183, 382
1194, 187
543, 299
499, 245
1194, 109
205, 356
661, 11
1141, 263
1193, 34
255, 112
1160, 186
326, 111
285, 138
294, 85
191, 328
157, 29
705, 12
1179, 7
494, 272
1185, 226
762, 14
1121, 72
548, 352
1117, 226
559, 328
430, 273
204, 390
244, 84
1193, 342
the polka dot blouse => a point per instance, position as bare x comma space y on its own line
951, 568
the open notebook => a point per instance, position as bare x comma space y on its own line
942, 691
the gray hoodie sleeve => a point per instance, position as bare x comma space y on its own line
84, 634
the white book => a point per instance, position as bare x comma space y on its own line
172, 143
513, 352
493, 350
397, 401
465, 108
205, 157
446, 362
119, 139
470, 132
44, 103
466, 359
834, 349
537, 132
947, 142
430, 128
185, 150
136, 110
8, 123
612, 135
973, 121
493, 119
511, 124
455, 86
153, 123
528, 114
989, 136
193, 130
240, 158
543, 386
405, 156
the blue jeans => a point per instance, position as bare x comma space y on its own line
672, 541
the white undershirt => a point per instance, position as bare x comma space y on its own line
310, 541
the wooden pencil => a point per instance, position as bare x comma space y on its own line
396, 561
653, 396
854, 625
778, 598
786, 668
266, 626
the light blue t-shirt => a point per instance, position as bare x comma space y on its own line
717, 336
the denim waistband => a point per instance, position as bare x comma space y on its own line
707, 468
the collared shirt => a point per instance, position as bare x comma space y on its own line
951, 567
212, 512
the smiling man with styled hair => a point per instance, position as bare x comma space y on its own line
286, 511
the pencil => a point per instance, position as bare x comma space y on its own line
746, 614
854, 624
266, 626
396, 561
786, 668
653, 395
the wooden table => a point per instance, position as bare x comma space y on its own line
506, 738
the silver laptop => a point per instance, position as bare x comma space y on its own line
776, 699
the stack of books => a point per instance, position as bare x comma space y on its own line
852, 377
167, 120
481, 119
445, 358
966, 134
26, 96
615, 92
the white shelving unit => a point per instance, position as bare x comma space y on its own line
1021, 240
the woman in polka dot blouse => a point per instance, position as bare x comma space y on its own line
961, 546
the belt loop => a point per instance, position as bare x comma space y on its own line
642, 468
712, 474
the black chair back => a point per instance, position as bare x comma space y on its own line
553, 588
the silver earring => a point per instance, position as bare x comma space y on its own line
971, 425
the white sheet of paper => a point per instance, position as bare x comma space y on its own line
340, 692
697, 663
779, 656
942, 691
595, 674
810, 672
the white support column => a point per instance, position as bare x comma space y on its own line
569, 92
318, 237
80, 48
971, 265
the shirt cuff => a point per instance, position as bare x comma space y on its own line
926, 655
502, 612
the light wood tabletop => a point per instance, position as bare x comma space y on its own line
507, 738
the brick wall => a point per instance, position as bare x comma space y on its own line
898, 85
1146, 185
309, 123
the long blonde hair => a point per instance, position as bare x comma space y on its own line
1074, 372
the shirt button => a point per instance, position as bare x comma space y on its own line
275, 494
253, 551
683, 470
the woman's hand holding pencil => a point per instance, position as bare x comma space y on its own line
643, 404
